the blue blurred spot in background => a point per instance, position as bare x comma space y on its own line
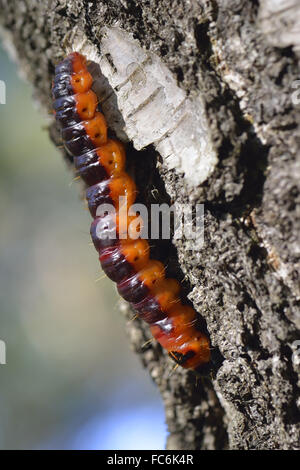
123, 430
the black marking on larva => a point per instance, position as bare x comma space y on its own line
103, 232
61, 86
65, 103
64, 67
97, 195
67, 116
89, 168
73, 132
149, 310
115, 265
80, 145
180, 358
132, 289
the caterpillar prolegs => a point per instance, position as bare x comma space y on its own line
101, 161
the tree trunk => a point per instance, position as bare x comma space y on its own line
219, 126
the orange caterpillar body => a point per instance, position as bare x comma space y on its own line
100, 162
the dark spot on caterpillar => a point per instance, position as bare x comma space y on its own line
180, 358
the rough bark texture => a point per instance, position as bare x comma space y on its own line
245, 280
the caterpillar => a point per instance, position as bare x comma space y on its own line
100, 161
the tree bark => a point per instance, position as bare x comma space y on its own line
237, 61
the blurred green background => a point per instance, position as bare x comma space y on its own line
71, 381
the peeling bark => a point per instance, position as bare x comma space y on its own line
245, 280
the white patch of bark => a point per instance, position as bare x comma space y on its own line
280, 21
154, 110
